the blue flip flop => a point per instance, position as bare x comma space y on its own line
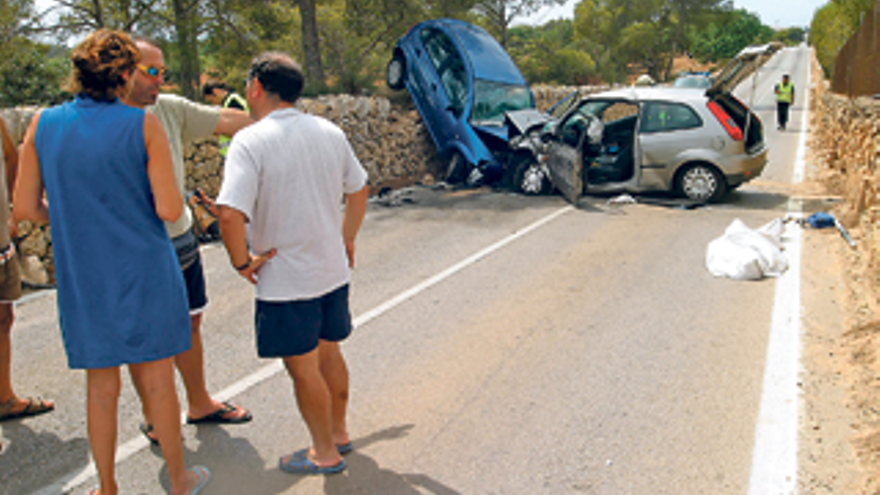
306, 466
204, 476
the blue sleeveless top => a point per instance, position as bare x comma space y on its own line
121, 297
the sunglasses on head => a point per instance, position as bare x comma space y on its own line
152, 71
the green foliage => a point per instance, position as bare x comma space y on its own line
30, 76
829, 31
791, 36
727, 34
636, 36
550, 54
833, 25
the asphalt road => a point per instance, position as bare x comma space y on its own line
591, 352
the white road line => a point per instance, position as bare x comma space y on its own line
68, 482
775, 458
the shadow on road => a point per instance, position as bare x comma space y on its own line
237, 467
29, 459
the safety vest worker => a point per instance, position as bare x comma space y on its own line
221, 93
785, 93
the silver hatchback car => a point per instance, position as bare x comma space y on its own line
698, 143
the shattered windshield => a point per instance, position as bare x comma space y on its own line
492, 99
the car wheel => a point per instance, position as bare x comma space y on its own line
529, 177
701, 183
395, 72
456, 169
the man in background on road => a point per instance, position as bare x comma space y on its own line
219, 93
784, 98
287, 175
11, 406
184, 121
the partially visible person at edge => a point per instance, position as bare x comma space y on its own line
11, 406
106, 170
784, 98
287, 175
219, 93
183, 121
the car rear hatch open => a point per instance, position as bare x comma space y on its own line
745, 123
746, 63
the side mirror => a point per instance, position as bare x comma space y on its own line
548, 132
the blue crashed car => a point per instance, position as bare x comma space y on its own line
462, 82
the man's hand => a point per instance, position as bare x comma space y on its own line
349, 251
254, 264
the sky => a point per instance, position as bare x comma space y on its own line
775, 13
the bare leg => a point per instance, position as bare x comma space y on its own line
7, 394
103, 397
155, 385
6, 318
191, 366
313, 398
335, 373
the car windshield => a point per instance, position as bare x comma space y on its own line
492, 99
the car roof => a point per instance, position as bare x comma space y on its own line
488, 58
641, 93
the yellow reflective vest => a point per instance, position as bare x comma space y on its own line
233, 100
785, 92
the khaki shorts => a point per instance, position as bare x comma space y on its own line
10, 280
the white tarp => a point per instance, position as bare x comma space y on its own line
746, 254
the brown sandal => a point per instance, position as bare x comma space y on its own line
34, 407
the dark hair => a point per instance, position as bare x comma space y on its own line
210, 86
100, 61
278, 74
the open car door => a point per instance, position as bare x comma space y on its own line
564, 159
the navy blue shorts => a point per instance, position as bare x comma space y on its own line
293, 328
194, 279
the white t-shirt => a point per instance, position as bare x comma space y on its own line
288, 174
183, 121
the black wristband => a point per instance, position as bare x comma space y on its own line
243, 266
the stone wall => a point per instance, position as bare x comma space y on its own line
846, 145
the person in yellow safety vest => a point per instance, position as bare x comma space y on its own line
219, 93
784, 98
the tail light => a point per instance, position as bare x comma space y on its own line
726, 121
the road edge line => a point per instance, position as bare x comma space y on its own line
775, 456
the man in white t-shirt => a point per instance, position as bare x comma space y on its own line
185, 121
287, 177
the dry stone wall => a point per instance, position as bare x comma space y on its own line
846, 143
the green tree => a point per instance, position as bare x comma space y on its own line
830, 28
550, 54
639, 35
729, 32
499, 14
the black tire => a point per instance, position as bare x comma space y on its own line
528, 177
701, 183
456, 168
395, 72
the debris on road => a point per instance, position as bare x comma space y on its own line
746, 254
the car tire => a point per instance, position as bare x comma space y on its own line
701, 183
528, 177
395, 72
456, 168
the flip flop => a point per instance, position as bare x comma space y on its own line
220, 416
204, 476
306, 466
343, 449
34, 407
